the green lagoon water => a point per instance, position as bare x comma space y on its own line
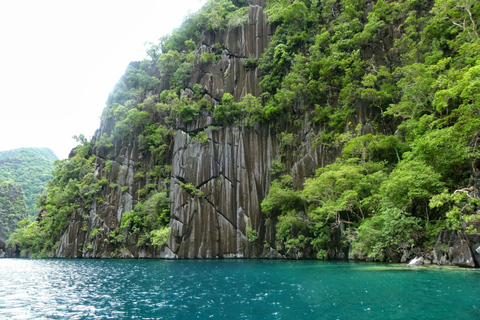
233, 289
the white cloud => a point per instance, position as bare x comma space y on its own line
60, 59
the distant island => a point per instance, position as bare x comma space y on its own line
31, 168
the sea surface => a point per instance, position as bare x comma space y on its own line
233, 289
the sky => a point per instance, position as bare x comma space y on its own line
59, 60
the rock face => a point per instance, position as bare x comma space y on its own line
474, 242
231, 170
232, 174
456, 248
462, 255
2, 248
416, 262
249, 40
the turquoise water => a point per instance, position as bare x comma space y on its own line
233, 289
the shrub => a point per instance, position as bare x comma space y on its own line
250, 63
238, 18
189, 111
208, 57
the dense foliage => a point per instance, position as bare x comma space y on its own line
411, 64
407, 170
12, 208
72, 189
29, 167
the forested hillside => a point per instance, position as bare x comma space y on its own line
30, 168
334, 128
12, 208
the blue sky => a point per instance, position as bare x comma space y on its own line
60, 59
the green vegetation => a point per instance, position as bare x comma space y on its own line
190, 188
12, 208
149, 220
30, 168
410, 64
247, 111
252, 235
72, 189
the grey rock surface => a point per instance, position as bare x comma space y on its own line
462, 255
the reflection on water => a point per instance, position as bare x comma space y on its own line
233, 289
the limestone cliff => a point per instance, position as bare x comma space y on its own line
231, 169
305, 135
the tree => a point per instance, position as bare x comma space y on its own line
385, 235
343, 192
411, 185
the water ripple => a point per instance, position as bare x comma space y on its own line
232, 289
